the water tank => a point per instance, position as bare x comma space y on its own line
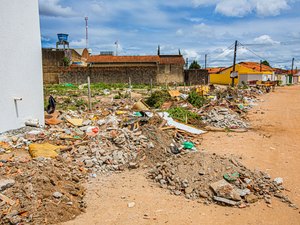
62, 37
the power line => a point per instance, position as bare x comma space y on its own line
252, 51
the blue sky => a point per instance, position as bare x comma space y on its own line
268, 29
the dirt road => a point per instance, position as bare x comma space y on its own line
272, 146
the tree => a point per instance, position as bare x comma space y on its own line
265, 62
194, 65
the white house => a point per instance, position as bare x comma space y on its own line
21, 85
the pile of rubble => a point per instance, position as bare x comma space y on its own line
215, 179
118, 149
223, 118
40, 191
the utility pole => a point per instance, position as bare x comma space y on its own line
293, 66
205, 64
187, 63
234, 61
86, 32
117, 45
260, 66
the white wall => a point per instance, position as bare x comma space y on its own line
20, 64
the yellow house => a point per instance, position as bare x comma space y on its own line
247, 72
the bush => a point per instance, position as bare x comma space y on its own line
158, 98
197, 100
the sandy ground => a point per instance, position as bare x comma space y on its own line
272, 146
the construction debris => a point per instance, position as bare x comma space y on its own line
43, 183
201, 176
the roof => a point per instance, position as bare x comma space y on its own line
176, 59
79, 50
214, 70
251, 65
256, 66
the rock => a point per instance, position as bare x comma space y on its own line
202, 172
12, 214
224, 189
225, 200
150, 145
177, 192
293, 206
247, 180
82, 150
131, 204
268, 201
15, 220
6, 183
203, 194
133, 165
188, 190
251, 198
184, 183
279, 195
243, 192
89, 163
57, 194
278, 180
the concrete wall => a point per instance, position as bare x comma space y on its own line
21, 64
137, 74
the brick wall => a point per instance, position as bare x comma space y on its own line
52, 61
137, 74
170, 73
196, 76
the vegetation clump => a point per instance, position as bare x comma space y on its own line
183, 115
157, 98
197, 100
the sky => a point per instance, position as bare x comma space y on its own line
265, 29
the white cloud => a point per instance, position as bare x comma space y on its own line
270, 7
265, 39
191, 54
203, 30
78, 43
234, 8
240, 8
53, 8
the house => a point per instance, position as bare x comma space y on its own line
246, 71
214, 70
281, 76
293, 76
21, 75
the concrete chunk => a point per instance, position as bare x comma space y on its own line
4, 184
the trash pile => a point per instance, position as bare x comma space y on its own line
40, 191
216, 179
223, 118
42, 169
